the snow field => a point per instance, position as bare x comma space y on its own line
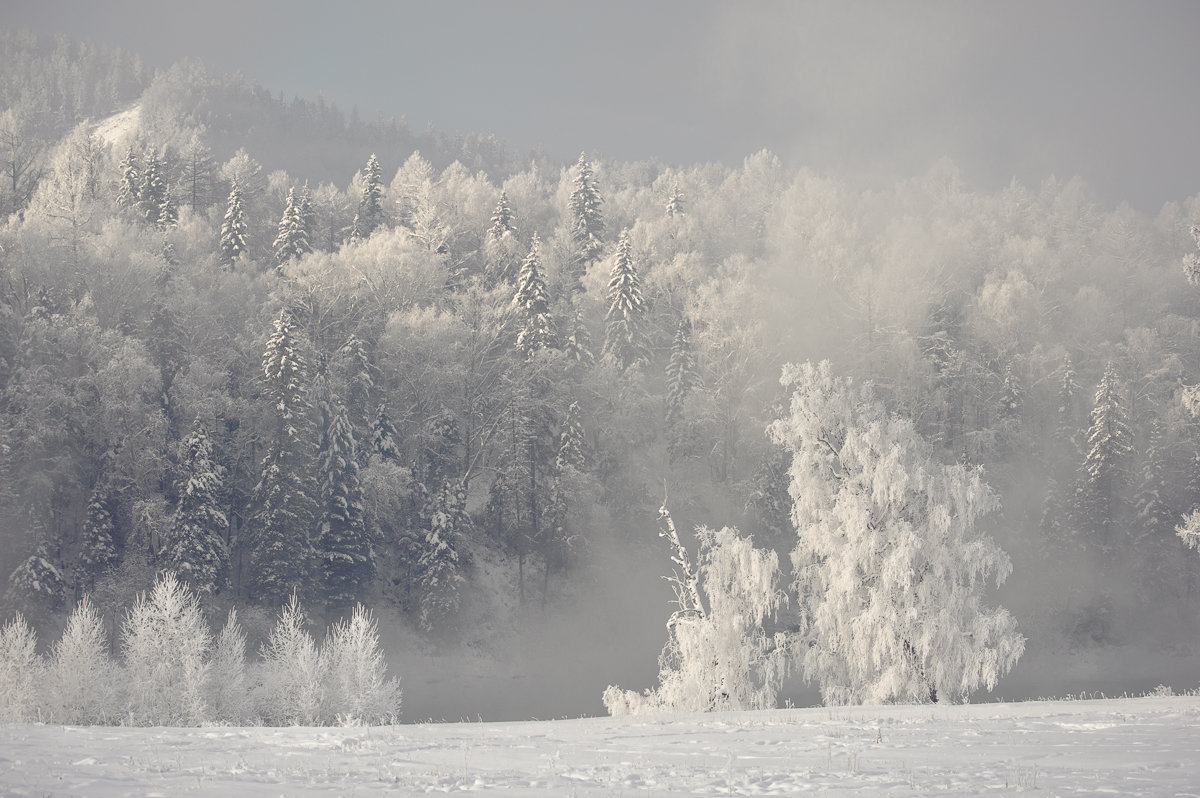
1130, 747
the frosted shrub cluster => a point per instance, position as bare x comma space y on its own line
174, 672
717, 656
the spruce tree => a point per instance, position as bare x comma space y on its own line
675, 202
129, 188
369, 215
281, 546
347, 561
502, 219
152, 193
195, 546
1012, 394
440, 564
534, 325
682, 376
1067, 425
587, 219
384, 436
168, 211
578, 344
1110, 444
570, 447
625, 338
97, 544
292, 238
233, 228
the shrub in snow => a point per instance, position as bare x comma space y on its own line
358, 689
890, 569
19, 666
290, 689
166, 643
80, 683
717, 657
229, 686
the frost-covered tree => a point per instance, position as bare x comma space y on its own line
1110, 444
359, 690
153, 194
718, 655
1066, 429
369, 216
39, 584
1012, 394
20, 668
586, 216
891, 569
229, 683
233, 227
1191, 261
291, 240
290, 689
625, 337
344, 547
282, 525
194, 547
535, 327
80, 685
440, 564
570, 440
675, 206
165, 642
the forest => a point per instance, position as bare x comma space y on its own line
278, 351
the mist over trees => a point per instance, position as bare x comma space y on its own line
290, 357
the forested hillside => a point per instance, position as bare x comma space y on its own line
274, 350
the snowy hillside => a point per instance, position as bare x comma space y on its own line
1132, 747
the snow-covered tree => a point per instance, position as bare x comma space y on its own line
97, 546
38, 584
675, 205
154, 197
129, 187
384, 435
891, 569
577, 345
718, 655
587, 218
344, 548
166, 644
570, 440
625, 336
1012, 394
233, 227
195, 545
1191, 261
502, 219
359, 689
291, 240
20, 668
1110, 444
369, 216
535, 327
440, 564
80, 685
682, 377
282, 526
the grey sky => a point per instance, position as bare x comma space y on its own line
1012, 88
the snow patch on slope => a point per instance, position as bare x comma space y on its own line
118, 127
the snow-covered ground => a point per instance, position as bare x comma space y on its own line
1130, 747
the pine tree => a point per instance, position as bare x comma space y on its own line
344, 547
1012, 394
233, 228
534, 325
625, 338
292, 238
97, 545
1110, 444
502, 219
282, 524
168, 211
195, 546
369, 215
440, 564
38, 583
129, 187
1067, 426
587, 219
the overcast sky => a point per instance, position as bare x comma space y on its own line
1010, 88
